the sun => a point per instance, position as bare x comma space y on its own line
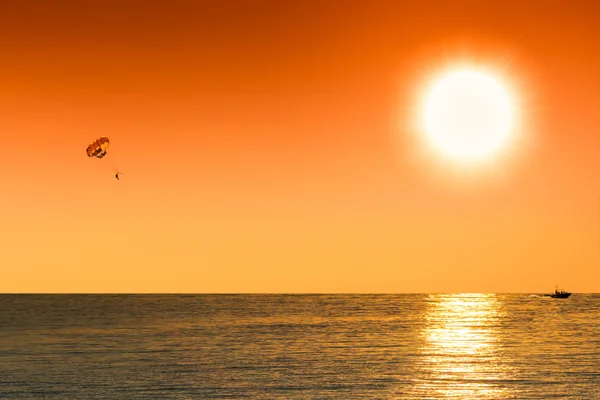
468, 114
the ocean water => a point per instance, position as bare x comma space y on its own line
411, 346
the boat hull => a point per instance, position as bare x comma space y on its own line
560, 296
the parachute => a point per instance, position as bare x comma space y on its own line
98, 148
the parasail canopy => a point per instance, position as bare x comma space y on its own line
98, 148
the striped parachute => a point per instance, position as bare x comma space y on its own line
98, 148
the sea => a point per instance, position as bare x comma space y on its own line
405, 346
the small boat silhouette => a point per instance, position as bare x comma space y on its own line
558, 294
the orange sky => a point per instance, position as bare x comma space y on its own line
269, 146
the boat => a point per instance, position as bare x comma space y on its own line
558, 294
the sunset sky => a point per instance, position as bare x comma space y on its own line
274, 146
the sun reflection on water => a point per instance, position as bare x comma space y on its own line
462, 351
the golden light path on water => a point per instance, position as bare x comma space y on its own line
462, 350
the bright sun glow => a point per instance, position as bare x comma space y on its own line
468, 115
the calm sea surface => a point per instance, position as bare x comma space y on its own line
422, 346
